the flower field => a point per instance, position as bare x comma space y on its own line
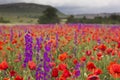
60, 52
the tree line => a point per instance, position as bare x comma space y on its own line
50, 16
112, 19
2, 20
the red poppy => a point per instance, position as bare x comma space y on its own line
83, 59
88, 53
95, 48
91, 66
62, 78
1, 43
109, 50
75, 61
98, 71
9, 48
1, 48
3, 65
102, 47
114, 52
18, 78
99, 58
14, 41
92, 57
6, 78
118, 45
99, 54
70, 56
52, 64
62, 66
31, 65
93, 77
54, 72
12, 73
63, 56
66, 74
114, 69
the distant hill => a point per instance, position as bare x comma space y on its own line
24, 12
91, 16
24, 8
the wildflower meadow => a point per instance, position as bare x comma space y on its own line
60, 52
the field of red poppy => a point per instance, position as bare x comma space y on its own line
60, 52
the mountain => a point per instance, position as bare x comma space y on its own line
24, 8
24, 12
91, 16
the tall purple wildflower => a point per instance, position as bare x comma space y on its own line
4, 36
11, 35
77, 69
56, 40
28, 49
98, 41
38, 44
43, 67
0, 31
46, 61
75, 42
39, 70
47, 38
75, 38
79, 26
19, 34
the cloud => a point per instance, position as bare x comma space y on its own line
76, 6
87, 3
85, 10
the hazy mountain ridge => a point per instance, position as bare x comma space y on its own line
24, 9
96, 15
24, 12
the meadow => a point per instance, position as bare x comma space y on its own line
60, 52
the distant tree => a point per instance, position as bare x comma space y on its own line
98, 17
114, 17
71, 19
2, 20
84, 18
49, 16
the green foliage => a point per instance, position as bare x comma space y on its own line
113, 19
49, 16
25, 11
2, 20
21, 21
84, 18
72, 19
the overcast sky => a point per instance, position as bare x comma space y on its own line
77, 6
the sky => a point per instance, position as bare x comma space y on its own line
77, 6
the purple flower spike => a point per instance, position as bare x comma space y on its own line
28, 49
11, 35
47, 48
77, 74
56, 40
77, 66
77, 70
